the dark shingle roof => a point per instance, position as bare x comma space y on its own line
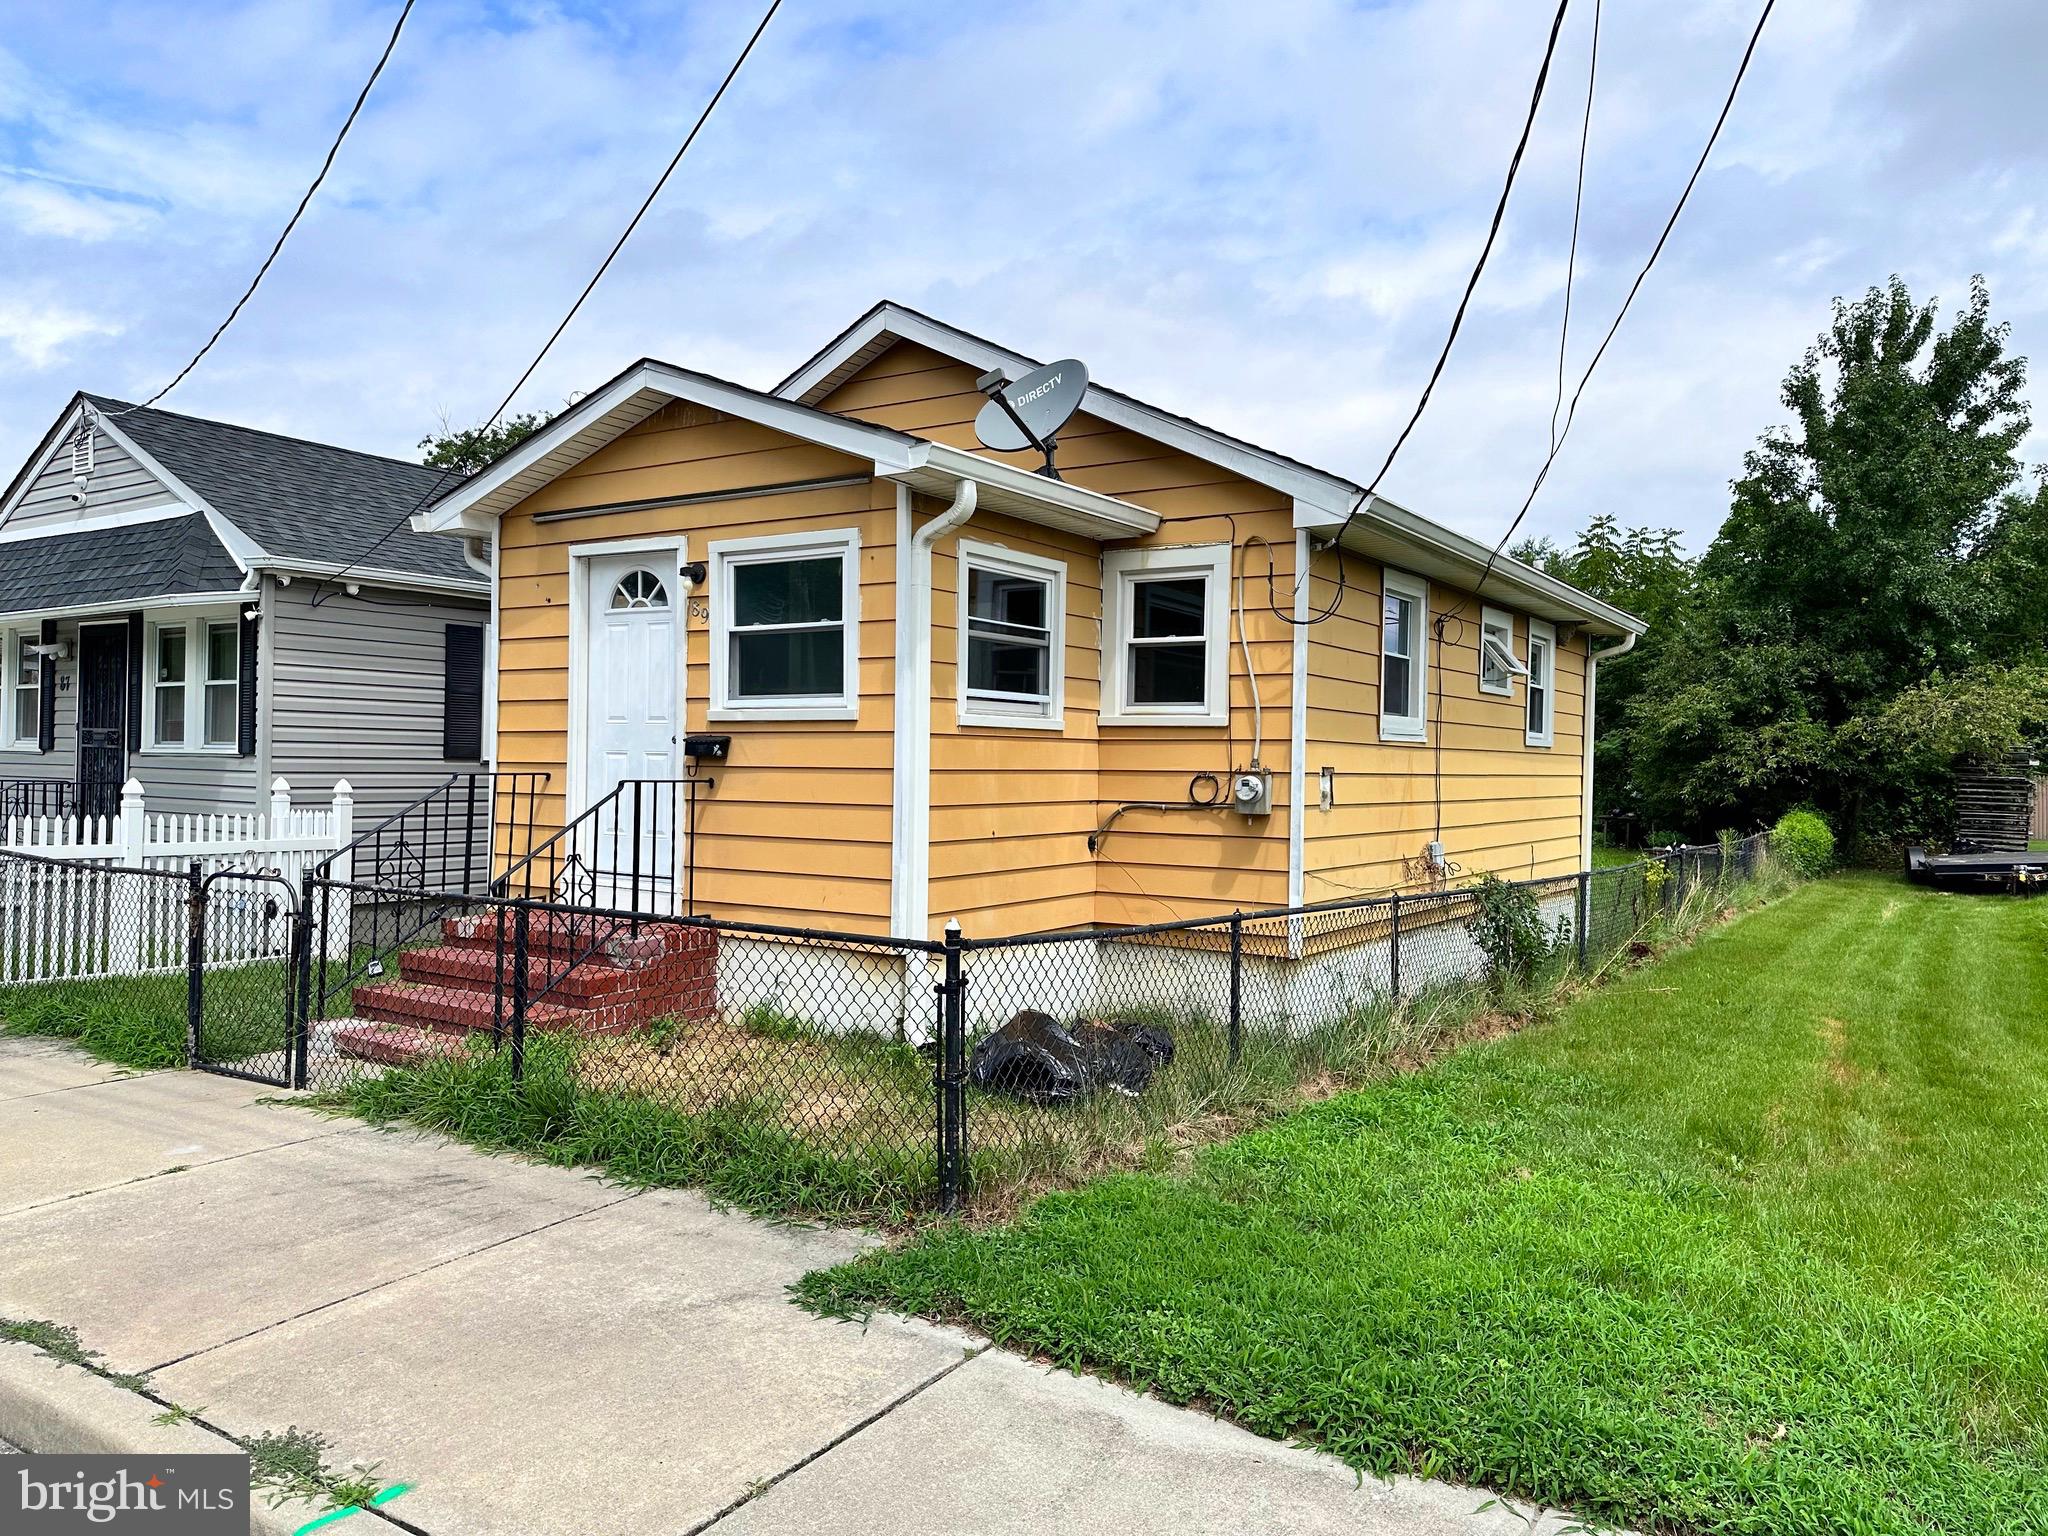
173, 555
298, 499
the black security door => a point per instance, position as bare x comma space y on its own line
102, 717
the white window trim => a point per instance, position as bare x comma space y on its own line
1406, 729
724, 554
1500, 619
10, 660
195, 627
1123, 567
1050, 715
1546, 682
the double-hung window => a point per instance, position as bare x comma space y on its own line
1541, 728
1166, 631
1012, 620
1404, 658
1498, 664
785, 627
195, 677
24, 701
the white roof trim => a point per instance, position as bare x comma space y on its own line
1321, 500
57, 527
889, 322
638, 393
53, 444
368, 575
1432, 550
240, 547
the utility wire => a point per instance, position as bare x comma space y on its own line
1700, 165
1571, 260
1457, 322
290, 224
595, 278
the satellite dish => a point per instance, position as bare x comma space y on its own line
1029, 412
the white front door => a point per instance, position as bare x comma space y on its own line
630, 729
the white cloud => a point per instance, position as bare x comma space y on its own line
1260, 216
38, 333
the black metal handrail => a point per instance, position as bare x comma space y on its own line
424, 860
596, 876
38, 797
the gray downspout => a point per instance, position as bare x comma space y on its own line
266, 683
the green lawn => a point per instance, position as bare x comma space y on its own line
1750, 1241
1606, 856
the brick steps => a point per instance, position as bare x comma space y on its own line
599, 978
395, 1045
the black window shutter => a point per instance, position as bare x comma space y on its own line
245, 687
46, 716
135, 632
462, 699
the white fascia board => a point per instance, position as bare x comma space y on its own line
368, 576
240, 547
1032, 496
1512, 576
59, 435
1294, 480
89, 522
120, 606
857, 439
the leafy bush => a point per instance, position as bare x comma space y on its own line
1802, 839
1662, 837
1509, 931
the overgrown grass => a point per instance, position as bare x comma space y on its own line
779, 1114
737, 1147
1749, 1242
140, 1021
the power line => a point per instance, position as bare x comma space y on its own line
1457, 322
1571, 261
290, 224
604, 266
1657, 250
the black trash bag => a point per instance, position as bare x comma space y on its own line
1036, 1058
1123, 1057
1033, 1058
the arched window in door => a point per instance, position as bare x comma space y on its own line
639, 590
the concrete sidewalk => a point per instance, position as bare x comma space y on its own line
538, 1352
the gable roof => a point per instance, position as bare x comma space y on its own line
615, 408
1323, 502
161, 557
297, 499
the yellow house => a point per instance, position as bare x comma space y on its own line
950, 687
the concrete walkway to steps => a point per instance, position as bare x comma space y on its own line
536, 1351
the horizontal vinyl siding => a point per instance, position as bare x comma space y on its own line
1506, 807
1156, 864
118, 484
797, 829
172, 782
357, 693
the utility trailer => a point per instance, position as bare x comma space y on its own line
1996, 871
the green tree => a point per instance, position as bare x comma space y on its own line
469, 450
1643, 571
1878, 540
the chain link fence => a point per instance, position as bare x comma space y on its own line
791, 1068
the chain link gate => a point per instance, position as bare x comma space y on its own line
245, 942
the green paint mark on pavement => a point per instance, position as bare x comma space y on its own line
342, 1514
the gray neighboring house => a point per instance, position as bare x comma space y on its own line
204, 607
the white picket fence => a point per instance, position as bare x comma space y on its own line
92, 916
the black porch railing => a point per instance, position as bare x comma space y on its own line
20, 798
421, 861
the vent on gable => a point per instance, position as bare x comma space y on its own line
81, 453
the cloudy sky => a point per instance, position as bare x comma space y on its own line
1256, 214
